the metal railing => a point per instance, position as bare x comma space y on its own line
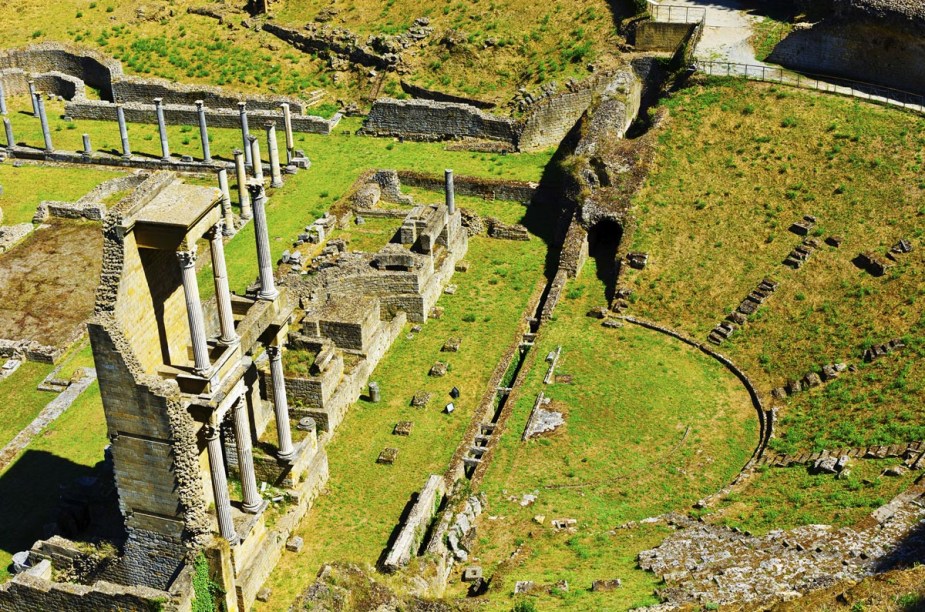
673, 13
827, 84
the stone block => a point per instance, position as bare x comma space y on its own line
524, 587
387, 456
462, 266
263, 595
403, 428
601, 586
451, 345
421, 398
438, 370
295, 544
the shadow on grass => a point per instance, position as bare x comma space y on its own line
31, 493
603, 242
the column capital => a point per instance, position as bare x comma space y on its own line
237, 152
242, 106
199, 104
256, 188
211, 432
251, 138
217, 230
158, 101
269, 125
274, 353
187, 258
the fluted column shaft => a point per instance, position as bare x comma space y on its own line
280, 404
242, 438
162, 128
220, 485
276, 177
2, 99
287, 124
123, 131
245, 132
35, 106
197, 326
450, 192
243, 196
227, 214
257, 166
86, 142
8, 128
203, 132
43, 119
222, 293
268, 289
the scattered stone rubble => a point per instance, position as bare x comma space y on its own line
740, 315
873, 263
830, 372
799, 255
461, 534
703, 563
911, 453
636, 260
879, 350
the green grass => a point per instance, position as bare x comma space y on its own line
505, 210
26, 401
766, 34
352, 520
652, 425
371, 236
729, 179
784, 498
25, 187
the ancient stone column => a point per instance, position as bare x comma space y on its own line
35, 106
220, 485
8, 128
276, 177
46, 132
257, 165
243, 196
203, 133
242, 439
227, 214
222, 294
245, 132
87, 150
281, 405
123, 132
197, 326
162, 128
2, 99
287, 124
450, 194
268, 290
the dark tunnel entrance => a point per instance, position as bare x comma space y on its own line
603, 241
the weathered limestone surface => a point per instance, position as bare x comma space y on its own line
412, 532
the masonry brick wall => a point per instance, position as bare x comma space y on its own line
660, 36
429, 120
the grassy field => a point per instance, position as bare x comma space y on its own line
352, 520
652, 425
25, 187
27, 400
784, 498
499, 46
737, 164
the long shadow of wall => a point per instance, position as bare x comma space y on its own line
31, 493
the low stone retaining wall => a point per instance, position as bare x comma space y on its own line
660, 36
489, 189
182, 114
428, 94
90, 206
430, 120
412, 532
16, 83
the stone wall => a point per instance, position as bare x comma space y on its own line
133, 89
866, 50
488, 189
25, 592
181, 114
89, 206
660, 36
412, 532
438, 96
94, 69
430, 120
16, 83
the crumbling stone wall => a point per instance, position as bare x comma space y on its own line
875, 41
25, 592
488, 189
16, 82
430, 120
133, 89
661, 36
94, 69
89, 206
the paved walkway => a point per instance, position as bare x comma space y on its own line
728, 28
49, 413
